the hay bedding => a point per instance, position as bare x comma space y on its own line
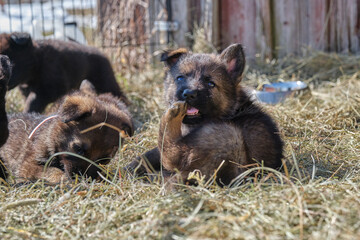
315, 197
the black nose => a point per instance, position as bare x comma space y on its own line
189, 94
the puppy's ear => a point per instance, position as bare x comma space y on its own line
21, 39
75, 108
171, 57
87, 88
234, 59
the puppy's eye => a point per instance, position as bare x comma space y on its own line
78, 149
180, 78
211, 84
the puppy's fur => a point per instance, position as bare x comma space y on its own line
48, 69
5, 73
25, 153
211, 124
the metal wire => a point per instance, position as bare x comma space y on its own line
124, 29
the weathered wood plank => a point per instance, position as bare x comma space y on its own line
151, 34
247, 22
263, 29
317, 10
353, 9
287, 27
206, 20
216, 23
157, 12
180, 14
343, 29
282, 27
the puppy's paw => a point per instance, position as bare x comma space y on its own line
177, 109
54, 175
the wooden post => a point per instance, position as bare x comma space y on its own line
101, 5
180, 14
215, 23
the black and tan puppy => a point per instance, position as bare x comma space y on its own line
85, 124
5, 73
211, 123
48, 69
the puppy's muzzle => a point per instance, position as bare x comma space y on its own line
189, 95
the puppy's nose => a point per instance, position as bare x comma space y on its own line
189, 94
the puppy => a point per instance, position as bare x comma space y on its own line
48, 69
211, 124
86, 124
5, 73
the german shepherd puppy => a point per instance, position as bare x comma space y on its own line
5, 73
211, 124
86, 124
46, 70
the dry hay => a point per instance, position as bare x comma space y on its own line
316, 197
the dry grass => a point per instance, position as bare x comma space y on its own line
316, 197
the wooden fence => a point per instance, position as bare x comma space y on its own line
279, 27
267, 28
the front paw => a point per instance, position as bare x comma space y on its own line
177, 110
54, 176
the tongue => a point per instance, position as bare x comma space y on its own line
192, 111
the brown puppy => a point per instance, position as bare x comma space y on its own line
5, 73
35, 138
211, 124
48, 69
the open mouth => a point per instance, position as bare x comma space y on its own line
192, 111
193, 115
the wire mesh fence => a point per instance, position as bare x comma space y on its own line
125, 29
60, 19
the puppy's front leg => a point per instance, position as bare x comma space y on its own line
170, 126
170, 135
170, 132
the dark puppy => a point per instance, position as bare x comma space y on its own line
5, 73
48, 69
86, 124
211, 124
